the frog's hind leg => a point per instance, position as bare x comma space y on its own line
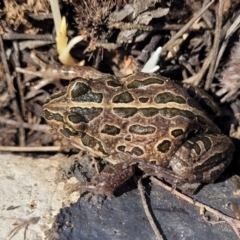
203, 158
203, 99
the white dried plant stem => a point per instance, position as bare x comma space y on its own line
56, 15
66, 53
151, 65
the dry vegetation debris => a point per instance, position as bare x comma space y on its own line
200, 46
197, 39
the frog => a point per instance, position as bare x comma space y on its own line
145, 121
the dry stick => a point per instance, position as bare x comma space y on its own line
208, 22
171, 43
33, 44
234, 223
217, 35
24, 225
93, 45
146, 209
144, 54
32, 149
133, 26
34, 127
23, 36
172, 27
196, 79
229, 33
11, 91
6, 70
18, 77
188, 66
40, 16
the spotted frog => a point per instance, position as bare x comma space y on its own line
144, 120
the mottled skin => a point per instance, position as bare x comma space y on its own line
145, 120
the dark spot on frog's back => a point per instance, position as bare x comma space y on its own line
177, 132
173, 112
67, 132
191, 91
164, 146
148, 112
81, 92
143, 99
125, 112
137, 151
121, 148
110, 130
114, 84
124, 97
53, 116
91, 142
141, 130
169, 97
86, 115
79, 89
128, 138
143, 83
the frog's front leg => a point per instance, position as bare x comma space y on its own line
110, 178
50, 74
66, 72
203, 158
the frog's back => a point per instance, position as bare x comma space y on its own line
144, 115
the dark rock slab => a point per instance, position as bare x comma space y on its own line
123, 217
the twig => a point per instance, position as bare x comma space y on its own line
149, 48
25, 224
93, 45
167, 27
171, 42
11, 92
40, 16
23, 36
6, 70
234, 223
188, 66
217, 35
16, 124
148, 213
32, 44
31, 149
234, 26
19, 84
196, 79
